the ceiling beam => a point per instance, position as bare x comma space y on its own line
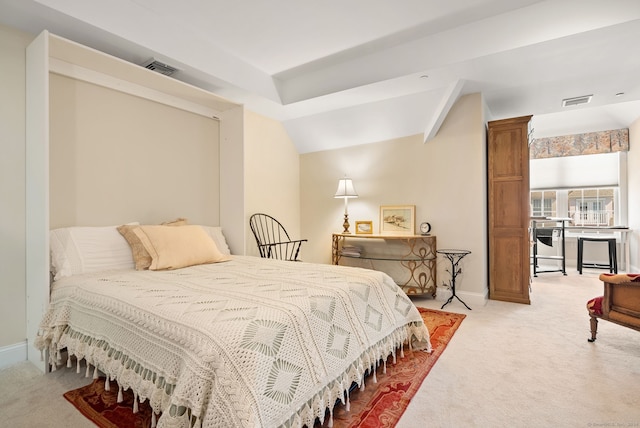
448, 99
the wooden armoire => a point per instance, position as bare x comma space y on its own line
508, 206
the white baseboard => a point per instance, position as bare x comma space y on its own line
13, 354
470, 298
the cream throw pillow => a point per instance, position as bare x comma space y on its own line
177, 247
141, 257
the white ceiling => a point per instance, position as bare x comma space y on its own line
341, 73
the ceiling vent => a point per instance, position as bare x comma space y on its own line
576, 101
159, 67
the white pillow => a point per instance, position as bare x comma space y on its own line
215, 232
76, 250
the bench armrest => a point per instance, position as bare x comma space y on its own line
620, 278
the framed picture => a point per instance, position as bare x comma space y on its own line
364, 227
398, 220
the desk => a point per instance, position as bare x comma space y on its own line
557, 224
414, 254
620, 233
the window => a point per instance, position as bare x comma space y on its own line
543, 203
592, 207
585, 207
591, 190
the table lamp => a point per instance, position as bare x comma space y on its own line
346, 191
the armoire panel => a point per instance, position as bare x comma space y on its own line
507, 155
507, 207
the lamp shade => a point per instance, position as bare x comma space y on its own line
345, 189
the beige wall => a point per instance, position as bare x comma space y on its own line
272, 176
633, 177
116, 158
444, 178
12, 186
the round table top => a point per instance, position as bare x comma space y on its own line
454, 251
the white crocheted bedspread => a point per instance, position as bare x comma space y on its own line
246, 343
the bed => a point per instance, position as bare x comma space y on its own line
220, 340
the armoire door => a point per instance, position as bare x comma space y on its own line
508, 204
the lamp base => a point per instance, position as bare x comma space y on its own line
346, 224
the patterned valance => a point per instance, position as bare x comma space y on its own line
580, 144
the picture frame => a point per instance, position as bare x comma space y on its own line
364, 227
398, 220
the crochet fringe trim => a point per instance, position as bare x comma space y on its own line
149, 386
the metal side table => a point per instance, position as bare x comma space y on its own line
454, 257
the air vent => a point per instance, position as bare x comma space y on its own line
575, 101
159, 67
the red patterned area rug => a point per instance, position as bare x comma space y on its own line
382, 404
103, 409
379, 405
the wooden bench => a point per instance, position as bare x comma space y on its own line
620, 303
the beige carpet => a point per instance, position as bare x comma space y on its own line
508, 365
512, 365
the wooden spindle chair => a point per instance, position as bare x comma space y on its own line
272, 238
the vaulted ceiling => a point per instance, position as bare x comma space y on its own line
342, 73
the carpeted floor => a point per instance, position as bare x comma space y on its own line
507, 365
513, 365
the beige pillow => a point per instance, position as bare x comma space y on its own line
141, 256
177, 247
